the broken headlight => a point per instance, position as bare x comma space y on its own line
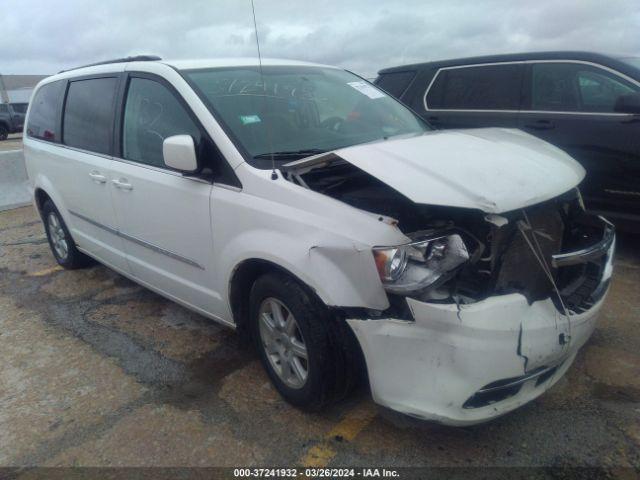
412, 267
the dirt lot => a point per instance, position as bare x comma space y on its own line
98, 371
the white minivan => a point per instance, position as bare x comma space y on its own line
306, 208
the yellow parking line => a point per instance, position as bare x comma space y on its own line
347, 429
46, 271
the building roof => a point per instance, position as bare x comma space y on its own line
17, 82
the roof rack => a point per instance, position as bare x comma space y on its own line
136, 58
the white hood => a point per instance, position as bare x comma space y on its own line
492, 169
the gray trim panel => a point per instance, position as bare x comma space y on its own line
139, 241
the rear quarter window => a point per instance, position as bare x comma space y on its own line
395, 83
485, 87
89, 113
43, 117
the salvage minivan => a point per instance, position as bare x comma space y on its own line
304, 207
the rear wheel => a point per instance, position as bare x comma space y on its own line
62, 245
306, 351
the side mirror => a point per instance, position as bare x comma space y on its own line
628, 103
179, 152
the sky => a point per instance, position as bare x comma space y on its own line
43, 37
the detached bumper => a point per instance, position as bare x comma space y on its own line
469, 364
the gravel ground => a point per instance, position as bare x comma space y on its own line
97, 371
14, 142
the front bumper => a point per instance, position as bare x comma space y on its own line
461, 365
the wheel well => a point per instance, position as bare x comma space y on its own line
41, 197
243, 278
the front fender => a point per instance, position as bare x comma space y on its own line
341, 273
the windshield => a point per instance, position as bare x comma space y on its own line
299, 111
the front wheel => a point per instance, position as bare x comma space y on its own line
303, 347
4, 132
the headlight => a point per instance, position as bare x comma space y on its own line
415, 266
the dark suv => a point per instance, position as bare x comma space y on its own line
11, 118
585, 103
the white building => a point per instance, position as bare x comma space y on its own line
18, 88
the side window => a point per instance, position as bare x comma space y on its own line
152, 113
43, 118
488, 87
600, 89
553, 87
395, 83
88, 114
20, 107
4, 108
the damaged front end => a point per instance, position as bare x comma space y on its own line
487, 310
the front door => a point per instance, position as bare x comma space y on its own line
571, 105
164, 216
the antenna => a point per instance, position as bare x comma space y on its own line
274, 175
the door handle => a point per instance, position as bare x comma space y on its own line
98, 177
540, 125
122, 184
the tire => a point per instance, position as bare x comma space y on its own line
60, 241
4, 132
332, 363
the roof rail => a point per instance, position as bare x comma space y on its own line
136, 58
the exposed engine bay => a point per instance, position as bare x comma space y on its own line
507, 253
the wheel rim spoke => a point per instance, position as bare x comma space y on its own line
298, 349
298, 370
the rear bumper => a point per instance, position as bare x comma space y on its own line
469, 364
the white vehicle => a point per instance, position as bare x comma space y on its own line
302, 205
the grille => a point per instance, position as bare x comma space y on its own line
519, 270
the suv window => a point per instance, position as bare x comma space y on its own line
152, 113
395, 83
485, 87
554, 87
599, 89
569, 87
88, 114
4, 108
43, 118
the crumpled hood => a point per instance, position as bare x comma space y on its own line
492, 169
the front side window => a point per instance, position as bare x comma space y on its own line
88, 114
576, 87
600, 90
152, 113
483, 87
43, 118
299, 111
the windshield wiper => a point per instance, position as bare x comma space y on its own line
293, 154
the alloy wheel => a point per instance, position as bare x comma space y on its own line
283, 343
59, 240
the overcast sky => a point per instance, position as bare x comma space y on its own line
44, 36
